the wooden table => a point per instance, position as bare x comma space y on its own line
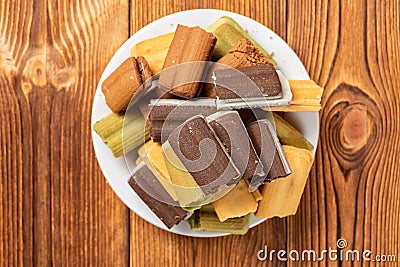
56, 207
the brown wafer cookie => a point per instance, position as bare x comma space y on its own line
190, 44
159, 130
175, 112
123, 83
201, 153
238, 83
242, 54
151, 191
120, 86
268, 148
230, 129
145, 72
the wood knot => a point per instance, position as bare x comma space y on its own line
351, 120
48, 69
354, 127
63, 78
7, 62
35, 69
26, 88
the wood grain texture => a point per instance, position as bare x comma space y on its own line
56, 208
350, 48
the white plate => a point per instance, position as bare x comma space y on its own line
116, 170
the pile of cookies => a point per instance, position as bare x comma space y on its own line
211, 151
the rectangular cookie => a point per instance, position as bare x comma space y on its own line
306, 97
190, 44
151, 154
124, 82
229, 128
251, 87
236, 83
238, 202
177, 109
147, 186
194, 148
174, 112
282, 197
268, 148
242, 54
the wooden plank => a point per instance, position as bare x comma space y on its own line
352, 191
16, 185
350, 48
56, 207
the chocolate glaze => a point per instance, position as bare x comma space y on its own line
209, 164
179, 111
147, 186
266, 147
230, 129
234, 83
159, 130
174, 113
